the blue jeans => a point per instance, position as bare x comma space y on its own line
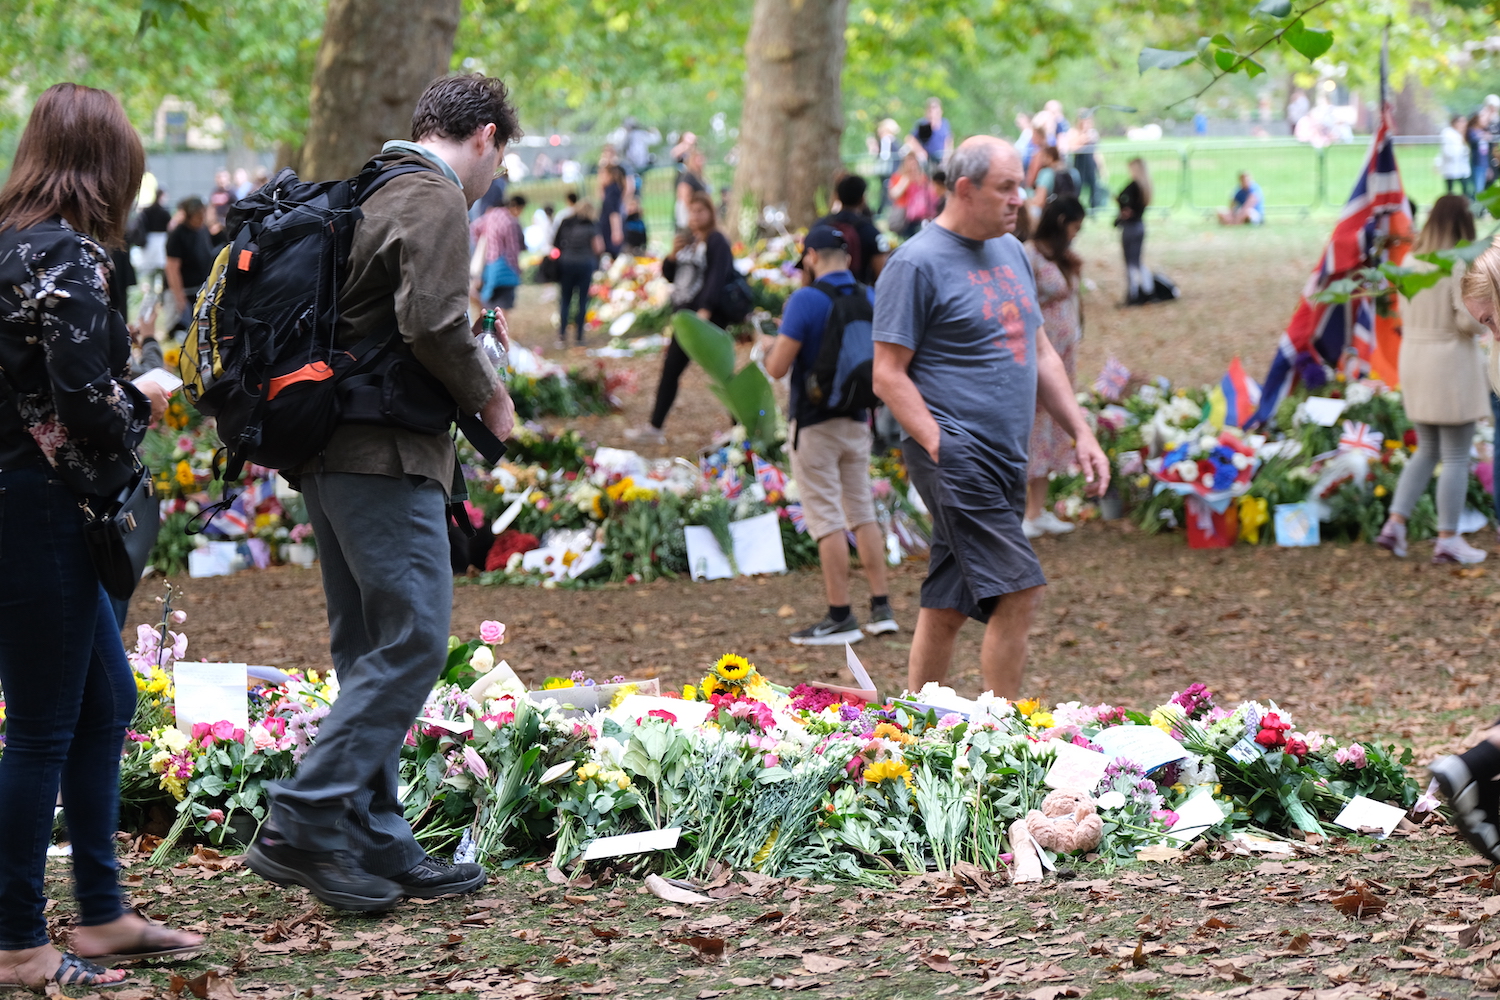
69, 694
383, 547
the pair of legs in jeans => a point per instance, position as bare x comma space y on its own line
69, 694
573, 280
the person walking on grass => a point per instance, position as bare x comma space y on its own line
1469, 780
1443, 389
500, 229
377, 499
70, 423
698, 267
962, 361
1134, 199
831, 450
1057, 270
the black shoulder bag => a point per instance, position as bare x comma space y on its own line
119, 530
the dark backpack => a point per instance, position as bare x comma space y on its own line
840, 383
736, 301
260, 353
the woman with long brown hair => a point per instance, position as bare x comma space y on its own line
1058, 271
69, 426
1443, 389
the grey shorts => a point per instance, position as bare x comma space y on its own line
979, 552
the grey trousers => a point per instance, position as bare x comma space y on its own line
1450, 444
383, 546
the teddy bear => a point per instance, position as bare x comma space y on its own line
1067, 822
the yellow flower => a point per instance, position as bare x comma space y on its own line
887, 731
689, 693
1380, 491
708, 685
585, 772
1027, 707
618, 490
1392, 444
175, 785
170, 357
1041, 720
626, 690
1180, 788
884, 770
553, 683
185, 477
760, 689
312, 677
733, 667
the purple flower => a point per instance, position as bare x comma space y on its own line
848, 713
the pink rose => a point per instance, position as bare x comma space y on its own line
200, 730
770, 760
275, 725
491, 632
262, 739
215, 816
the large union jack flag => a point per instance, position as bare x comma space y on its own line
1375, 227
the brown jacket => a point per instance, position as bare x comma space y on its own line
409, 269
1442, 362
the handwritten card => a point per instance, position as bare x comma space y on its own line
211, 692
1367, 813
1077, 768
1144, 745
1196, 816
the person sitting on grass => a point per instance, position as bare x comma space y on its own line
1247, 207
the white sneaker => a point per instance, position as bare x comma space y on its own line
1456, 550
646, 434
1032, 529
1052, 524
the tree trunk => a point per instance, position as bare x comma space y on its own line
376, 58
794, 109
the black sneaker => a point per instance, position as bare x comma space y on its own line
828, 633
335, 877
881, 620
432, 878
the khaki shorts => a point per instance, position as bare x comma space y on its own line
831, 464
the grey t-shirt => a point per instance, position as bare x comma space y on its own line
968, 309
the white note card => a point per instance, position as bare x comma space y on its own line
633, 843
1363, 812
1195, 817
1144, 745
211, 692
1077, 768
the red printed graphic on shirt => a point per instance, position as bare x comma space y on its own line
1005, 296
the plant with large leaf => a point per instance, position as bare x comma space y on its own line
746, 394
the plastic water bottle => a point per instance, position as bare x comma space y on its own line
492, 346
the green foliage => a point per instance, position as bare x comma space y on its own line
746, 394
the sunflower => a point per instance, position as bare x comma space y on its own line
732, 667
888, 770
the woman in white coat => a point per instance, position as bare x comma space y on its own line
1443, 386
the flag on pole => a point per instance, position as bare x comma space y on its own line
1374, 227
1233, 401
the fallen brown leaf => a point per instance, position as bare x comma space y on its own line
820, 964
707, 949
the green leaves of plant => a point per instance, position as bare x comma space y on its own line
1273, 10
1311, 42
155, 13
1163, 58
746, 395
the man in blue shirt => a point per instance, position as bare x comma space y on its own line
1246, 207
934, 134
830, 454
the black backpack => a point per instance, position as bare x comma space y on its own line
736, 301
260, 353
841, 382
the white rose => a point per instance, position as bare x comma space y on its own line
483, 660
1110, 800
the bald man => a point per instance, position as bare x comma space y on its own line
962, 361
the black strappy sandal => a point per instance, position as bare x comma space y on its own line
71, 971
1467, 782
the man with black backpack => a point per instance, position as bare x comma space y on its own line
377, 499
826, 343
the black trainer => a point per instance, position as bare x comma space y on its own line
828, 633
881, 621
335, 877
433, 878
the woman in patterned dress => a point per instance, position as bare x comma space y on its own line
1057, 269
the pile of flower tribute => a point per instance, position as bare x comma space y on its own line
553, 493
1166, 446
804, 781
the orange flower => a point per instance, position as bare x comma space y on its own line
890, 732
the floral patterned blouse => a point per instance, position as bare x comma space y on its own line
63, 358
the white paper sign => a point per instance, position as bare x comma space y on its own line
508, 515
633, 843
214, 559
1144, 745
1194, 817
689, 714
1367, 812
757, 549
861, 676
1076, 767
1245, 751
1323, 411
210, 692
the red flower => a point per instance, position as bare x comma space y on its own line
1269, 738
507, 543
1297, 748
662, 713
1273, 721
